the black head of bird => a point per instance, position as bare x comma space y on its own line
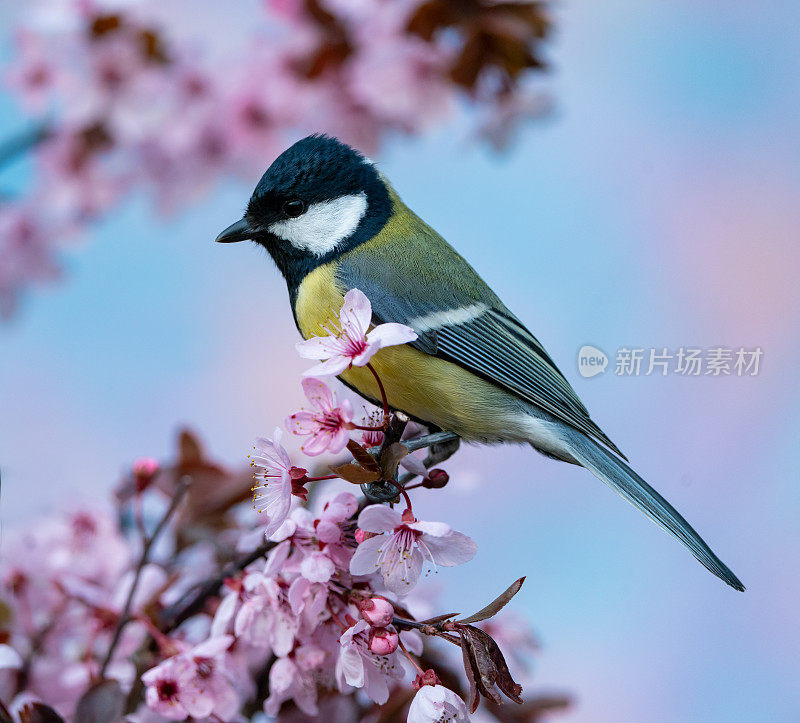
317, 200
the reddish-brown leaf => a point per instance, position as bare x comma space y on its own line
39, 713
496, 605
355, 474
364, 458
487, 666
474, 698
438, 619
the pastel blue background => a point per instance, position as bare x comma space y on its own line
657, 207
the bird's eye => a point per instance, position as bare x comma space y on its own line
294, 207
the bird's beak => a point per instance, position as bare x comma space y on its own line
238, 231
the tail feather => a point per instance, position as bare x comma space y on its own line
617, 475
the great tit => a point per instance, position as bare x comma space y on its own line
332, 222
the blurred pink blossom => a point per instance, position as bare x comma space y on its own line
295, 678
138, 94
195, 682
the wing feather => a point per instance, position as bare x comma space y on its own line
515, 362
493, 344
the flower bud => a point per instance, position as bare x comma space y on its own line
144, 469
383, 641
437, 478
362, 535
429, 677
377, 612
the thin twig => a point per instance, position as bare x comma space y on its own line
175, 615
412, 445
22, 142
125, 615
384, 401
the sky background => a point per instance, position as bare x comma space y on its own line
657, 206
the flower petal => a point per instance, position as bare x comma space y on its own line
356, 313
378, 518
317, 567
454, 548
413, 464
391, 334
301, 423
272, 451
335, 365
339, 440
277, 502
401, 569
319, 443
317, 347
436, 529
318, 393
297, 593
351, 666
9, 658
365, 558
362, 359
436, 703
346, 410
328, 531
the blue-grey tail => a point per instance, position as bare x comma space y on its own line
617, 475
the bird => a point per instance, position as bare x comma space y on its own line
332, 222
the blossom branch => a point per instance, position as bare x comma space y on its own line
384, 401
14, 146
125, 615
181, 611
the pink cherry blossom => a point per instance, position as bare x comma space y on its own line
212, 688
25, 250
434, 704
317, 567
194, 683
331, 526
165, 692
359, 667
272, 493
295, 678
266, 618
402, 545
328, 426
349, 342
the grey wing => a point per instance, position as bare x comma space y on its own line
465, 323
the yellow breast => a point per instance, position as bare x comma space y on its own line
427, 388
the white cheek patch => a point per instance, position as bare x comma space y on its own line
324, 224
